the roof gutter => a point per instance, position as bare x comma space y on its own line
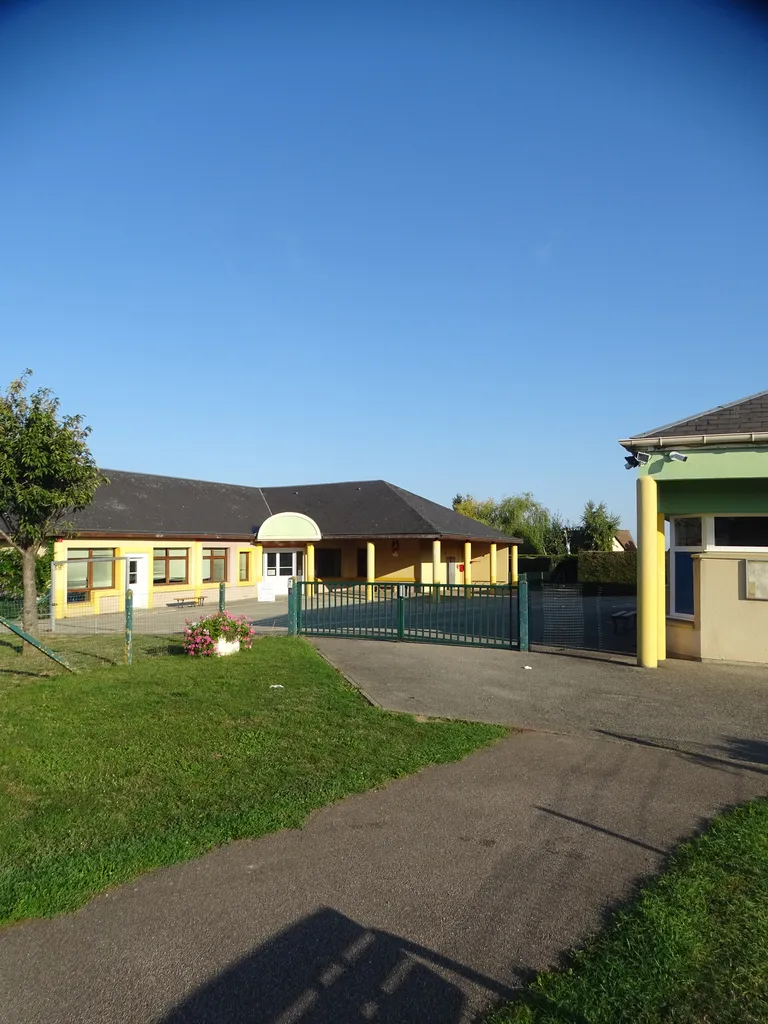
694, 440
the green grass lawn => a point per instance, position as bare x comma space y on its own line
691, 949
112, 772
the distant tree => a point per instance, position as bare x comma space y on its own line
46, 473
519, 515
598, 527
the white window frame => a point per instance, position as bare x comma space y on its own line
694, 549
709, 536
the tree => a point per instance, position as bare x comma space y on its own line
520, 515
598, 527
47, 472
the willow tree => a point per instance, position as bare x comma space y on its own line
47, 472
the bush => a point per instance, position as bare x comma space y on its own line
607, 566
556, 568
200, 637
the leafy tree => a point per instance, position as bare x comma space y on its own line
519, 515
12, 577
598, 527
46, 473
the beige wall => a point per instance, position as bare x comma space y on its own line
727, 626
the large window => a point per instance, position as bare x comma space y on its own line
170, 565
685, 541
741, 531
84, 575
328, 563
214, 565
244, 566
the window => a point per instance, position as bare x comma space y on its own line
244, 566
328, 563
83, 575
214, 565
362, 563
170, 565
686, 540
741, 531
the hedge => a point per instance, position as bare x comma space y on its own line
607, 566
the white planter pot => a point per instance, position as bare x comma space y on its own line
223, 647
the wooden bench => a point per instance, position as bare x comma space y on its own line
627, 619
187, 602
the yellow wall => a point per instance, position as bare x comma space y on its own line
683, 639
481, 563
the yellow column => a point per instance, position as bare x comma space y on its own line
59, 581
661, 637
467, 561
494, 563
437, 576
309, 568
647, 573
195, 568
514, 564
370, 568
258, 569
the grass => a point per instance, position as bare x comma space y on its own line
691, 949
109, 773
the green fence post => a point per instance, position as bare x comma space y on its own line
292, 608
297, 607
400, 612
222, 596
522, 611
129, 627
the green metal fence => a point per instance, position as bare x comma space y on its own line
480, 614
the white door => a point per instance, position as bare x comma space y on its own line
280, 566
451, 570
137, 579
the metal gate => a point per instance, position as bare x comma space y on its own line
583, 616
478, 614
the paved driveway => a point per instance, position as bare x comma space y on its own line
715, 710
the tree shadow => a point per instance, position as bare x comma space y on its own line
328, 969
738, 753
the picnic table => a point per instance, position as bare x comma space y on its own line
188, 602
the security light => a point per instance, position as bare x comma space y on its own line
631, 462
678, 457
643, 458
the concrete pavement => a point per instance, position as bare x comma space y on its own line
425, 901
719, 710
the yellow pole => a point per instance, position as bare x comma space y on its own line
514, 564
468, 561
59, 581
494, 563
647, 574
370, 568
309, 568
258, 575
661, 639
436, 571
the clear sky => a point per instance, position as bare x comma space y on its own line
462, 245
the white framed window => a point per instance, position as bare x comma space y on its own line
742, 532
687, 536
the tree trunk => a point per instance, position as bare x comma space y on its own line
28, 565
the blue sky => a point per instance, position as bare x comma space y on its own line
464, 246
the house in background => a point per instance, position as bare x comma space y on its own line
706, 475
623, 541
166, 537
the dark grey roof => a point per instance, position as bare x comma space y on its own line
138, 503
746, 416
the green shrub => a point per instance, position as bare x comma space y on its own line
607, 566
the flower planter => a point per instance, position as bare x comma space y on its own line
222, 647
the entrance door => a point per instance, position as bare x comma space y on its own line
280, 566
451, 570
137, 579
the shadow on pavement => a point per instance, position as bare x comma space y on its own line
328, 969
738, 754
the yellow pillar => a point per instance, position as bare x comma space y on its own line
661, 637
494, 563
467, 561
258, 574
370, 568
309, 565
647, 573
437, 576
59, 581
514, 564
